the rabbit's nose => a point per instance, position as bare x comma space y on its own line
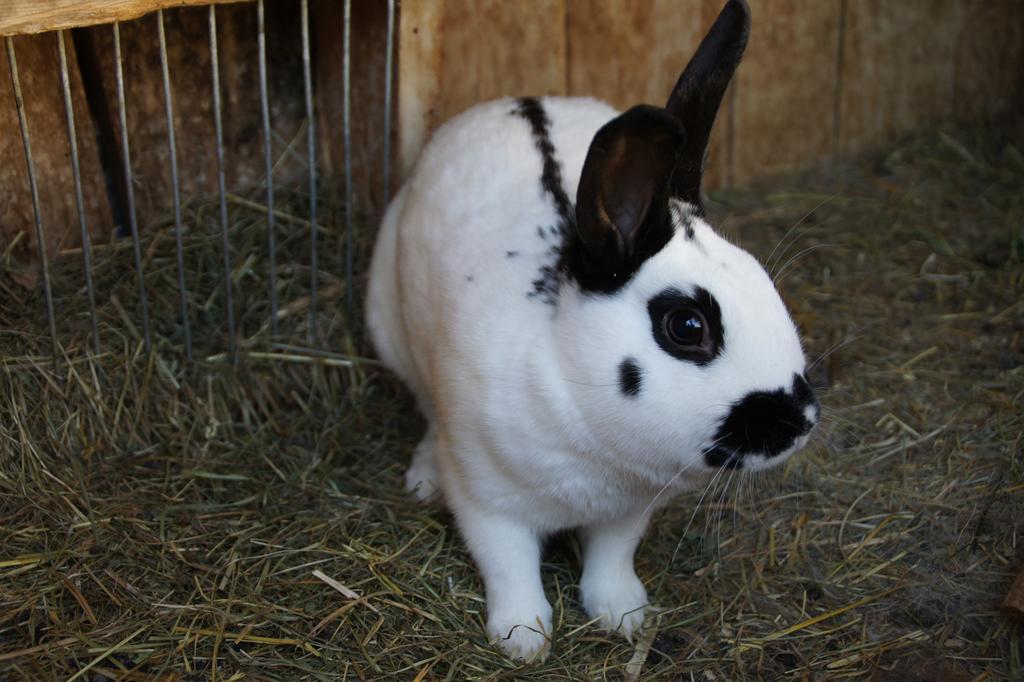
765, 424
808, 401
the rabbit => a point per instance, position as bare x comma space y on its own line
580, 363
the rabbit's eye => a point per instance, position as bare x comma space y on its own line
685, 327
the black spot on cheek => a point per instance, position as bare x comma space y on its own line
631, 378
469, 278
511, 254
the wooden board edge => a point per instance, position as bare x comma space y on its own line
419, 68
38, 16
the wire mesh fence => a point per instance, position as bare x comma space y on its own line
129, 152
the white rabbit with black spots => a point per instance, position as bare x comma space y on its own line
579, 363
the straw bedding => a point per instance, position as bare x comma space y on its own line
173, 520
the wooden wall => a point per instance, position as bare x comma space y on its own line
821, 77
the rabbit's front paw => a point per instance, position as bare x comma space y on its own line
421, 478
617, 600
521, 636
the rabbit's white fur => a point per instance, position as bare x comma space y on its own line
577, 367
528, 430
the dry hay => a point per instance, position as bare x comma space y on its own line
166, 520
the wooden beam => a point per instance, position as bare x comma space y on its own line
419, 77
39, 73
786, 88
455, 53
36, 16
897, 69
988, 73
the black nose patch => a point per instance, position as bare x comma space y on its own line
763, 422
805, 394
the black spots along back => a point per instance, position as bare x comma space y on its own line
533, 112
545, 286
686, 213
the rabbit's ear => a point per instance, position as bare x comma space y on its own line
698, 92
622, 213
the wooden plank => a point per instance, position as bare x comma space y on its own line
456, 53
529, 58
36, 16
989, 57
786, 88
39, 72
819, 78
191, 83
419, 77
369, 32
629, 53
897, 71
498, 49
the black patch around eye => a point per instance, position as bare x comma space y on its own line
630, 378
701, 300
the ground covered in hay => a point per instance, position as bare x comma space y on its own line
166, 519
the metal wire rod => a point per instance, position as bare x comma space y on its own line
226, 245
44, 258
76, 172
268, 155
311, 153
346, 122
126, 160
389, 48
172, 148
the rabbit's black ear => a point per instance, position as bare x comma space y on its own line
698, 92
622, 215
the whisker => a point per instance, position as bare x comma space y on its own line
720, 511
586, 383
674, 478
842, 343
795, 226
783, 272
711, 483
